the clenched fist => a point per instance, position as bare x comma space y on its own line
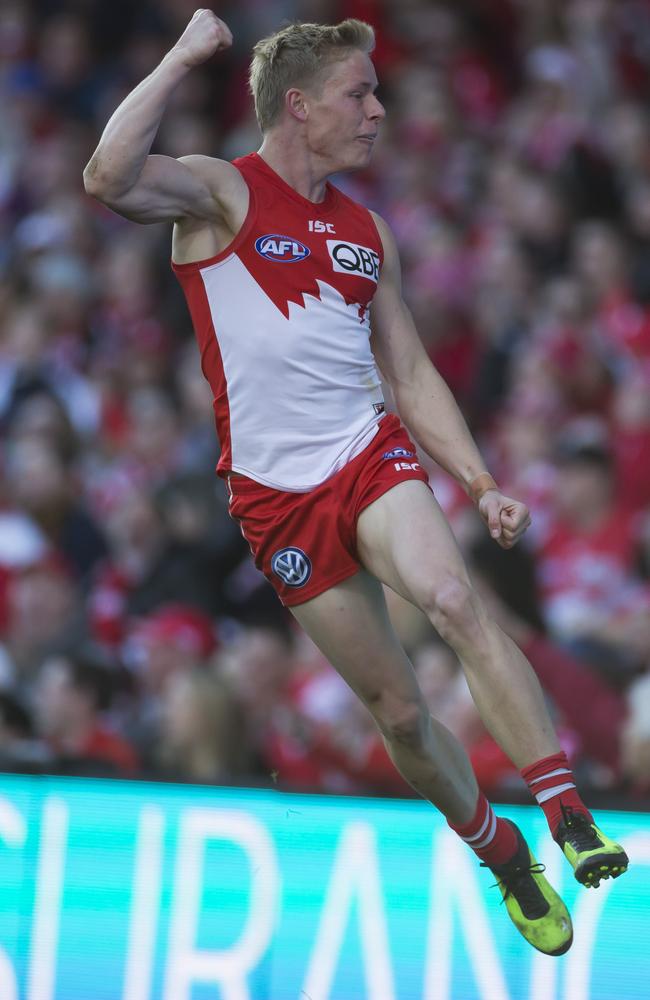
506, 518
204, 35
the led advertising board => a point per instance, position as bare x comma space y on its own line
135, 891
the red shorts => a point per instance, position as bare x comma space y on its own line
304, 543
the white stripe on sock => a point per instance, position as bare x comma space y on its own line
548, 793
484, 826
550, 774
490, 836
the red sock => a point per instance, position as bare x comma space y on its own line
552, 783
492, 839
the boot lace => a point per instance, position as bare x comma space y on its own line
517, 882
579, 830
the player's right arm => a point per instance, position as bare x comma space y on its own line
124, 175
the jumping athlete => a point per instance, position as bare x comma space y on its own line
294, 291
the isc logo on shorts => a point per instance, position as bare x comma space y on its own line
282, 249
406, 466
350, 258
292, 566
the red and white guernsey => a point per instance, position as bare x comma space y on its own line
281, 318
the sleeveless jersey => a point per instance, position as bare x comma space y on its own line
281, 317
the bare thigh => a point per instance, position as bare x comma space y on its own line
404, 539
350, 624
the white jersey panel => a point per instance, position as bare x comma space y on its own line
304, 393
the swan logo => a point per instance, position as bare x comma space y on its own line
292, 566
282, 249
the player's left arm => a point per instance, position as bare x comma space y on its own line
427, 406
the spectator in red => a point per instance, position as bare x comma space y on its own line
589, 590
601, 261
631, 437
169, 643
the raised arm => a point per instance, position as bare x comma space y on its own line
121, 172
426, 404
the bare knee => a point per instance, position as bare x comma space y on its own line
401, 721
456, 612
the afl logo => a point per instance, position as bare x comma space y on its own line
283, 249
398, 453
292, 566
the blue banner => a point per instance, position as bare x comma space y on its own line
129, 891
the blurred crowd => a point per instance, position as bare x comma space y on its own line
136, 636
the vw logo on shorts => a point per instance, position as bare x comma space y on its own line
292, 566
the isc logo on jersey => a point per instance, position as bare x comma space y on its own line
282, 249
350, 258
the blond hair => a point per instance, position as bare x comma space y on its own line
295, 55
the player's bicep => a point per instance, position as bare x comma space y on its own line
395, 343
394, 340
167, 189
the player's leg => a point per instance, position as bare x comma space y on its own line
404, 539
422, 562
350, 624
